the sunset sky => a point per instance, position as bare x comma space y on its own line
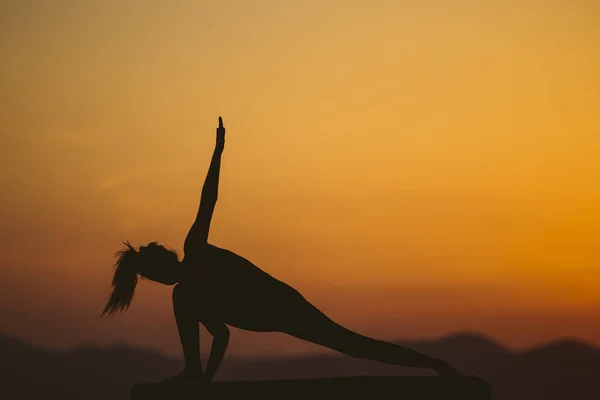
413, 167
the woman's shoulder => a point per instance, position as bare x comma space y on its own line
203, 254
212, 250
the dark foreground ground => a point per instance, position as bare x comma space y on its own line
566, 369
363, 387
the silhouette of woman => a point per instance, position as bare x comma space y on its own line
217, 287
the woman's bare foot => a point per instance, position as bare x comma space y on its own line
446, 371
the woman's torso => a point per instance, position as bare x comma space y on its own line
231, 289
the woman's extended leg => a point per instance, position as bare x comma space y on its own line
306, 322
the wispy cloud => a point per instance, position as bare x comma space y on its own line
80, 139
110, 183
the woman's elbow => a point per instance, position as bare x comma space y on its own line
225, 334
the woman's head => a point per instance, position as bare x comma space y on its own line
154, 262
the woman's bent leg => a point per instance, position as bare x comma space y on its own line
308, 323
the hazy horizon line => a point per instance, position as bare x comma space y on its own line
307, 354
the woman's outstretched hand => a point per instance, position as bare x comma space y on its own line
220, 135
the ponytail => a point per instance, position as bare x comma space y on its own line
124, 280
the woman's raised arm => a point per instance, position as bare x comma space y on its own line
198, 234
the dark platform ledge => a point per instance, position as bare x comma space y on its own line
361, 387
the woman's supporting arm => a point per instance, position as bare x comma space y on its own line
187, 327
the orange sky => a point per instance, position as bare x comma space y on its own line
427, 167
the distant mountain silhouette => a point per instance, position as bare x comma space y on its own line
563, 369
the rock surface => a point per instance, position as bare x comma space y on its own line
362, 387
